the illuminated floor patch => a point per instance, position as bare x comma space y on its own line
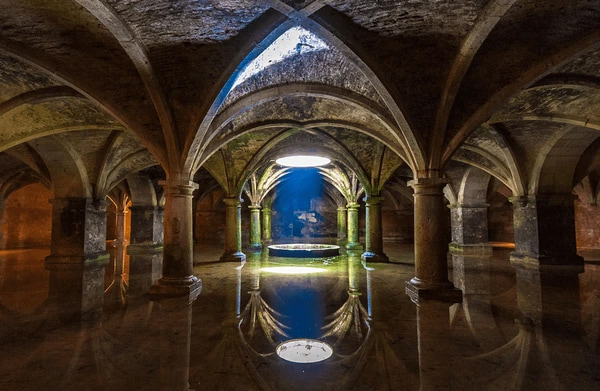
292, 270
304, 351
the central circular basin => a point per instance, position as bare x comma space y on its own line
304, 351
304, 250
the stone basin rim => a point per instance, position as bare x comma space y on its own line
304, 250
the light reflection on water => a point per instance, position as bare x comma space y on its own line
513, 330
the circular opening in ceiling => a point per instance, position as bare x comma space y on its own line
302, 161
304, 351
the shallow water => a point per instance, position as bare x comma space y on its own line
515, 329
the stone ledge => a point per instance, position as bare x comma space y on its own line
372, 257
446, 293
233, 257
189, 287
471, 249
546, 263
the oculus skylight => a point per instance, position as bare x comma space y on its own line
294, 41
302, 161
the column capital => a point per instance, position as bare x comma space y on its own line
254, 207
469, 206
341, 209
178, 188
233, 201
519, 200
353, 205
373, 200
428, 185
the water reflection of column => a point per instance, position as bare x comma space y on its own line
173, 320
435, 358
548, 351
472, 277
77, 290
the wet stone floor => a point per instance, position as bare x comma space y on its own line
95, 327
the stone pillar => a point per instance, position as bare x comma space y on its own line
431, 248
146, 225
78, 257
255, 243
266, 226
544, 229
470, 229
120, 246
353, 243
177, 271
341, 225
78, 231
374, 235
233, 231
145, 247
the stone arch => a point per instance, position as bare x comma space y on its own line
469, 214
67, 171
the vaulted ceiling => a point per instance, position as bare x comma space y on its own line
92, 91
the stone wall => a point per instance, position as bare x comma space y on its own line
209, 219
27, 220
500, 219
587, 229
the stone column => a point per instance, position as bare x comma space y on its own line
266, 226
544, 228
341, 225
255, 244
470, 229
146, 225
145, 247
178, 256
233, 231
431, 248
353, 243
374, 236
120, 245
2, 232
78, 257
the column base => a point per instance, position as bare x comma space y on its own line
233, 257
354, 246
57, 262
255, 247
373, 257
419, 290
544, 262
168, 287
482, 249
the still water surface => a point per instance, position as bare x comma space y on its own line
82, 329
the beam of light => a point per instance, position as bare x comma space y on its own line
294, 41
304, 351
292, 270
302, 161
